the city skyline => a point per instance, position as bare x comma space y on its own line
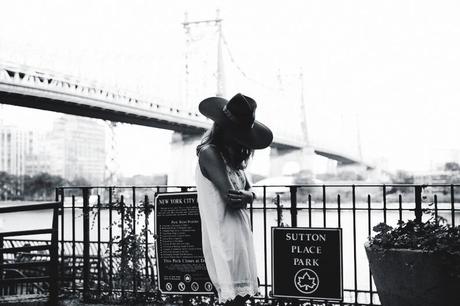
73, 148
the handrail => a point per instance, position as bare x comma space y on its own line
30, 264
52, 263
25, 280
27, 232
26, 248
29, 207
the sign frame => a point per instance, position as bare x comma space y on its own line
157, 195
339, 230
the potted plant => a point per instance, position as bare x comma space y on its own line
416, 263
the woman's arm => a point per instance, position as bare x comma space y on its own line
213, 168
249, 187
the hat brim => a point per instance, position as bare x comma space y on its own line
257, 137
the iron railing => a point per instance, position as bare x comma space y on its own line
30, 268
100, 258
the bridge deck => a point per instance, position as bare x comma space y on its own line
28, 88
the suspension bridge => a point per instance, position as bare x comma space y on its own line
38, 88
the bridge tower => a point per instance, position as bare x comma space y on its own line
183, 145
218, 66
307, 152
285, 161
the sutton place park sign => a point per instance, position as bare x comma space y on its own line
307, 263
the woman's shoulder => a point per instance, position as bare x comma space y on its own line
208, 149
210, 161
209, 154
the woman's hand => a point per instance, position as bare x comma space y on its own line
239, 199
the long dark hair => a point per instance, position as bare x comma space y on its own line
236, 155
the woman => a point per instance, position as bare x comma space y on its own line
224, 194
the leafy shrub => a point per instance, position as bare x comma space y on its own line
432, 235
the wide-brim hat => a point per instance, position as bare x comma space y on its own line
237, 117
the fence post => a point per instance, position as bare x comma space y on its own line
86, 245
146, 233
293, 190
1, 262
60, 198
279, 212
54, 258
418, 204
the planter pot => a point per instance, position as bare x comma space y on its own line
414, 278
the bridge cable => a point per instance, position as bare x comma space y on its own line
240, 70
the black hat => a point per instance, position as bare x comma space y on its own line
237, 116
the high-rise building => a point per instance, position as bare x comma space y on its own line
37, 159
15, 145
76, 149
14, 148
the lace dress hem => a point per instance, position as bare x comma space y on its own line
231, 292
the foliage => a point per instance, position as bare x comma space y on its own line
452, 166
279, 211
6, 186
131, 248
40, 186
432, 235
402, 177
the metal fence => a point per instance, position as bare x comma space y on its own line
107, 245
27, 269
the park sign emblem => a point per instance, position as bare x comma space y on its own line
180, 262
307, 263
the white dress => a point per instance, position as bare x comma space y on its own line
228, 246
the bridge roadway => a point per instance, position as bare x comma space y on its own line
22, 86
28, 87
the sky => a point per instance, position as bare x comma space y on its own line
383, 72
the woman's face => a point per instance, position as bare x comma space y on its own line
235, 151
232, 144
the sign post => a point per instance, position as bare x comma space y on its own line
180, 261
307, 263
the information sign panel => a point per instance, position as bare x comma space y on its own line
180, 261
